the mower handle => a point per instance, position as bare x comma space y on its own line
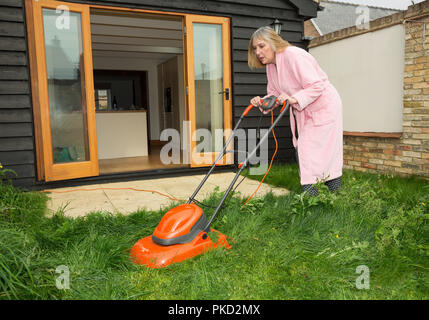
243, 164
266, 104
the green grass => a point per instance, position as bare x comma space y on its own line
287, 247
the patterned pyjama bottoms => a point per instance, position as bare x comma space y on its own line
333, 185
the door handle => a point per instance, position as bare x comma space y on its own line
226, 93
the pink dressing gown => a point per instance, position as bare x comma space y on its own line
318, 113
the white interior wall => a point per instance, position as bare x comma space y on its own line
121, 134
136, 64
368, 72
137, 42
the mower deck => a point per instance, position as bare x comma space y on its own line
148, 253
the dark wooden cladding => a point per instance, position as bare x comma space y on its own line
294, 23
16, 115
246, 76
13, 73
17, 157
12, 29
242, 36
15, 129
250, 89
255, 112
305, 8
12, 44
253, 9
279, 4
253, 122
23, 171
11, 3
243, 67
279, 133
11, 14
239, 55
14, 87
15, 101
16, 144
12, 58
17, 149
243, 43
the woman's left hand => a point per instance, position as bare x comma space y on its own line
283, 97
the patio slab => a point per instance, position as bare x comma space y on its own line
119, 197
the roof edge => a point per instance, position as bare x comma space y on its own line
357, 5
306, 8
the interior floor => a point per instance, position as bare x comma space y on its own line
151, 162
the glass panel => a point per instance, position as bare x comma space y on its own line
64, 64
208, 72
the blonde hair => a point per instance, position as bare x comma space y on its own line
276, 42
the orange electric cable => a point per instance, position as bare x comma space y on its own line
260, 183
134, 189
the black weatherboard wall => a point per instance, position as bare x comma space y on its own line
17, 149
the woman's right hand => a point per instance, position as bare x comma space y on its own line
256, 101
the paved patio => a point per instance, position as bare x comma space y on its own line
76, 202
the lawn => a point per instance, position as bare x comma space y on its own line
284, 247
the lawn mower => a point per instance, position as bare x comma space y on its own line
183, 231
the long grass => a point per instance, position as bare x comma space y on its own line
286, 247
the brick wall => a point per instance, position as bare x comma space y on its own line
388, 155
310, 30
406, 153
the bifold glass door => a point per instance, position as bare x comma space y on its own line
209, 88
65, 89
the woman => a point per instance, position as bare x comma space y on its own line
294, 75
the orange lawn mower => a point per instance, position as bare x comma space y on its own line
183, 231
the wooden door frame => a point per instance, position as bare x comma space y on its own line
209, 158
32, 59
47, 169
